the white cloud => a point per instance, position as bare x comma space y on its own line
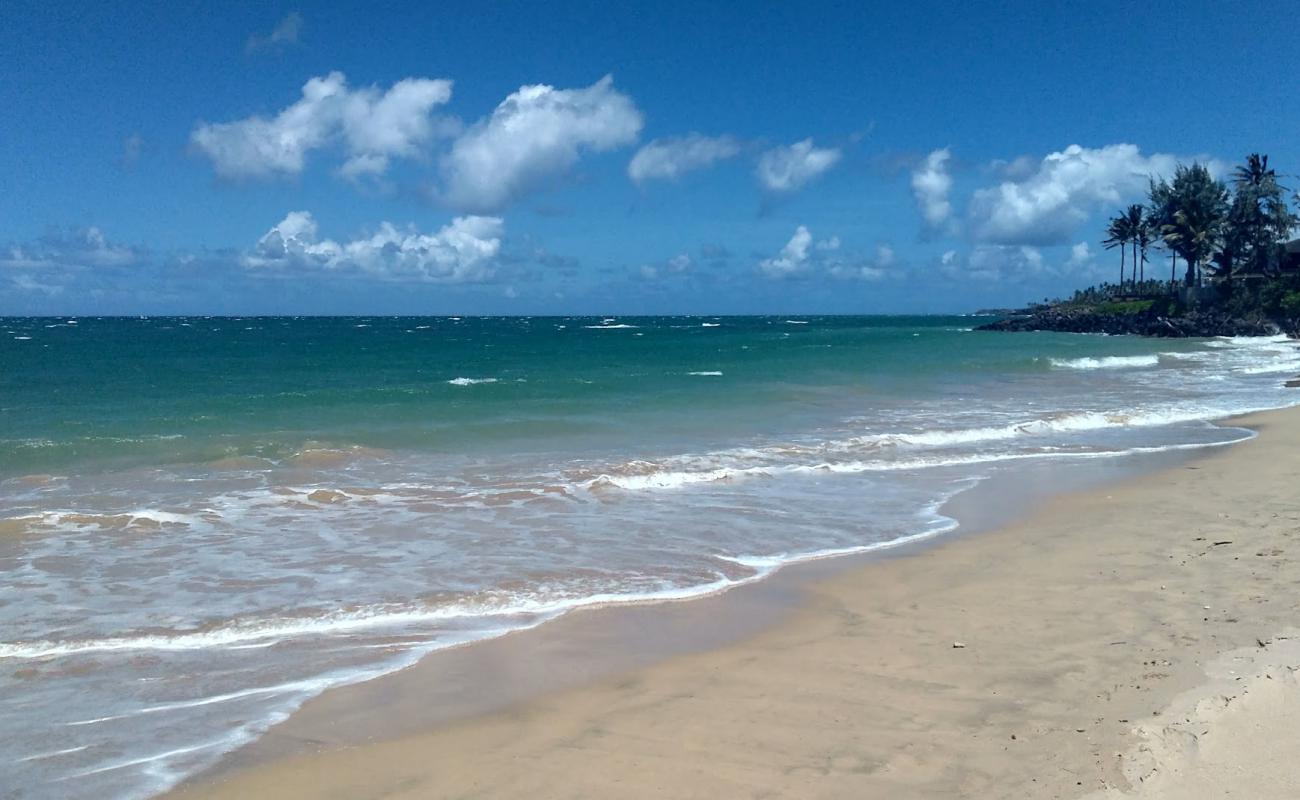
463, 251
669, 159
786, 169
369, 125
799, 255
285, 32
793, 257
534, 135
931, 185
1021, 264
1068, 187
1080, 255
873, 269
803, 255
86, 248
1005, 262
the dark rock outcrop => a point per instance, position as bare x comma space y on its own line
1194, 323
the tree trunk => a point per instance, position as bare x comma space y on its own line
1123, 251
1190, 277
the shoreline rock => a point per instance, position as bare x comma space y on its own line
1193, 324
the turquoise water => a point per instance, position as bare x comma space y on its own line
125, 392
204, 521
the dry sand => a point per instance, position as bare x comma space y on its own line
1087, 631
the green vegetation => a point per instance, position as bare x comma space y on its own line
1124, 307
1197, 218
1232, 242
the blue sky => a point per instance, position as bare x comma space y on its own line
582, 157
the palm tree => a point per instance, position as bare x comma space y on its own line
1134, 223
1142, 238
1118, 235
1254, 172
1199, 206
1259, 218
1160, 213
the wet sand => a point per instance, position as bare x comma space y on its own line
1047, 658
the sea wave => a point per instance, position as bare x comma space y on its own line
470, 381
505, 610
1106, 362
893, 452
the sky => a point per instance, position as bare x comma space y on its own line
606, 158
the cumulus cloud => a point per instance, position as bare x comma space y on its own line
799, 255
48, 265
669, 159
84, 248
793, 257
787, 169
865, 269
534, 136
369, 125
463, 251
931, 185
285, 32
992, 263
1080, 255
1050, 203
804, 255
1014, 264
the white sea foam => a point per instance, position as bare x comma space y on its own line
470, 381
609, 327
517, 610
707, 373
710, 324
80, 519
1265, 369
674, 479
771, 563
1106, 362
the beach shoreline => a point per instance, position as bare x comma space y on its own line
359, 737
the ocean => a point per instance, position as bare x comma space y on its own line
206, 521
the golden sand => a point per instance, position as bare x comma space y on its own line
1047, 659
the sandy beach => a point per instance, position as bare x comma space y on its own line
1128, 640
